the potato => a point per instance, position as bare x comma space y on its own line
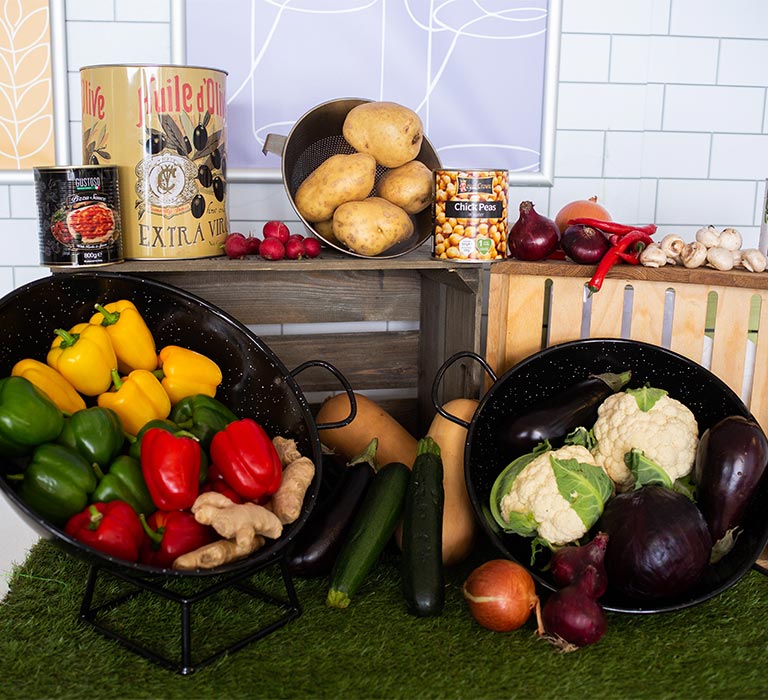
371, 226
391, 133
324, 229
409, 186
340, 178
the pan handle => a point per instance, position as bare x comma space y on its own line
439, 377
274, 143
343, 381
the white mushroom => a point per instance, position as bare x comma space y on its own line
720, 258
708, 235
694, 254
753, 260
730, 239
653, 256
672, 245
737, 255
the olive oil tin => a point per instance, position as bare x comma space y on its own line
79, 215
164, 127
470, 215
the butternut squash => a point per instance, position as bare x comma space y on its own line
459, 524
396, 444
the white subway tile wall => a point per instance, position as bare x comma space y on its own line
661, 113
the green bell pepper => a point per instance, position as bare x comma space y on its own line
203, 416
28, 418
57, 482
125, 482
96, 433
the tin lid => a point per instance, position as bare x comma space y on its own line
150, 66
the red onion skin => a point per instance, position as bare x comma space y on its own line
659, 543
568, 564
584, 245
533, 236
572, 615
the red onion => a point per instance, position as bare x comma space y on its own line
571, 617
532, 236
659, 543
584, 244
569, 563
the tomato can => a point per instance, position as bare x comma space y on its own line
470, 215
164, 127
79, 215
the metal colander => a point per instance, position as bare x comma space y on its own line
317, 136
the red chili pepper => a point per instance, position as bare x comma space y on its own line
637, 240
171, 534
247, 459
614, 227
170, 463
112, 528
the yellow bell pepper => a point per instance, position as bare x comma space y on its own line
85, 357
137, 399
186, 373
129, 333
50, 382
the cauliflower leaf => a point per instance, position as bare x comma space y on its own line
585, 486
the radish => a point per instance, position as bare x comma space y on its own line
294, 248
272, 249
276, 229
236, 245
311, 247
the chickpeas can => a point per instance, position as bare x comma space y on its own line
470, 215
164, 127
79, 215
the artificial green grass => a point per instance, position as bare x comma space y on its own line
373, 649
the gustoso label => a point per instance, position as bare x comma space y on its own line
79, 215
164, 127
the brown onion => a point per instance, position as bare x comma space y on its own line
501, 595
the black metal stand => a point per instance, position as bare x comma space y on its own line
186, 665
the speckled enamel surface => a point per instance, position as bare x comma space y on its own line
545, 374
255, 383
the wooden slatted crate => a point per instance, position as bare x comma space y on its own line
421, 311
718, 319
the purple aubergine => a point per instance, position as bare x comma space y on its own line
556, 416
731, 459
658, 543
317, 545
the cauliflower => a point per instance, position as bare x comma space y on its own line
648, 420
557, 494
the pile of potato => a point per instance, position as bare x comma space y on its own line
338, 198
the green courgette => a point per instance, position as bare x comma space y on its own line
372, 527
423, 579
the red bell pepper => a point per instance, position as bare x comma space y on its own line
112, 528
215, 482
247, 459
171, 534
170, 463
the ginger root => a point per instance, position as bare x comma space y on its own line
242, 521
298, 473
216, 554
286, 449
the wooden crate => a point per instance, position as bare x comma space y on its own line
438, 304
718, 319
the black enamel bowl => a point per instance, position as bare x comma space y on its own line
545, 374
255, 383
